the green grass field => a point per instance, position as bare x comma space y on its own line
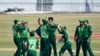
7, 47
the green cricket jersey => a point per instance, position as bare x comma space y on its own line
65, 35
42, 31
15, 29
51, 29
87, 32
32, 43
79, 31
24, 32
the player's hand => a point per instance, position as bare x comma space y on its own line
60, 40
58, 26
25, 45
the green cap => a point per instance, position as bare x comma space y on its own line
86, 20
16, 20
63, 27
81, 21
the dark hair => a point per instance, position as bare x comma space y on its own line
15, 21
32, 33
50, 18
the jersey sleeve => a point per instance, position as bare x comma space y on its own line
76, 31
90, 31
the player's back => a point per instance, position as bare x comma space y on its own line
32, 43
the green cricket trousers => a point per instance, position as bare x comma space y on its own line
86, 47
44, 47
23, 40
78, 45
17, 42
66, 46
53, 44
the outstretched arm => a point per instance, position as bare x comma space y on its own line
90, 33
59, 29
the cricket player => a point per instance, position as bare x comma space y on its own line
87, 32
67, 43
78, 36
24, 30
52, 36
32, 45
42, 31
16, 37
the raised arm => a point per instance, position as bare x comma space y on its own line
59, 29
39, 21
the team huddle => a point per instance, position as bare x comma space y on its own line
47, 33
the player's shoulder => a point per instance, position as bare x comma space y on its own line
89, 26
14, 25
33, 38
